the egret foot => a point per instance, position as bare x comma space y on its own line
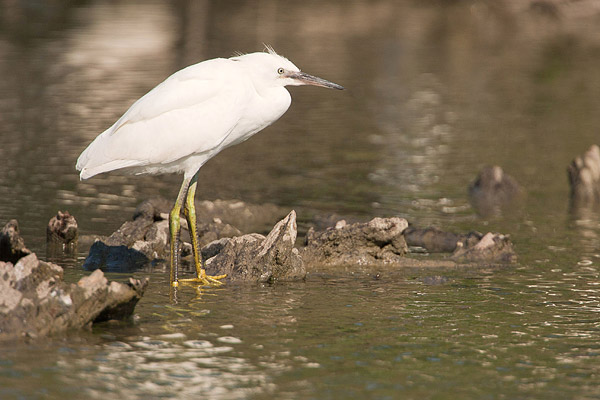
205, 280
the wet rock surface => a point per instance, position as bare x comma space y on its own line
145, 239
35, 301
379, 240
256, 258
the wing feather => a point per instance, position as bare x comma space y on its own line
191, 112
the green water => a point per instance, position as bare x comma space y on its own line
435, 91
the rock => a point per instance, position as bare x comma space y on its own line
12, 245
35, 301
208, 232
491, 248
434, 240
131, 247
320, 221
377, 241
154, 208
61, 235
144, 240
494, 191
256, 258
62, 229
117, 258
584, 178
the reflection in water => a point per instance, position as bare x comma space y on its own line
160, 368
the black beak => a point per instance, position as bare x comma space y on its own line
305, 79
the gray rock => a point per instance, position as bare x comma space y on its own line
584, 178
494, 191
35, 301
12, 245
256, 258
491, 248
378, 241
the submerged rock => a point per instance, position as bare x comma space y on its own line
256, 258
380, 240
584, 178
494, 191
12, 245
490, 248
35, 301
435, 240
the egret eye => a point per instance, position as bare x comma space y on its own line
280, 71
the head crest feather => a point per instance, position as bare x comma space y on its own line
270, 49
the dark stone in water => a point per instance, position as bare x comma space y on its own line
115, 258
434, 240
12, 245
130, 248
494, 191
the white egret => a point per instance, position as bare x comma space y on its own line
188, 119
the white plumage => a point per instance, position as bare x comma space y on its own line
191, 117
195, 113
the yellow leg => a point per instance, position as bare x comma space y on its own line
189, 210
174, 230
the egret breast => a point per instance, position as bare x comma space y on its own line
261, 111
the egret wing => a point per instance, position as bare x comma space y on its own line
192, 112
187, 87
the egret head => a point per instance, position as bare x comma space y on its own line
269, 69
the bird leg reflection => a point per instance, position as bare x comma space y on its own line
189, 211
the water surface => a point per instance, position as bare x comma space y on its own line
435, 91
